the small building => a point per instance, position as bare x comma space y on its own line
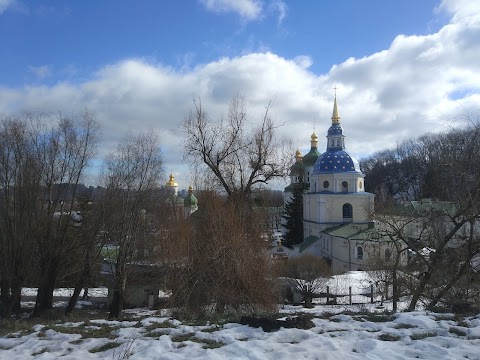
145, 281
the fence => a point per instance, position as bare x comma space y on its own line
355, 287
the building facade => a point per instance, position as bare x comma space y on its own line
337, 211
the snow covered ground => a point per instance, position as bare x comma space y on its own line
340, 332
67, 292
335, 335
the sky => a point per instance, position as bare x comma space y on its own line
401, 68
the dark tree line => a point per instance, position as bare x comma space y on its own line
438, 166
51, 229
42, 161
440, 229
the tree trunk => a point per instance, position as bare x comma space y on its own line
73, 299
308, 300
395, 293
44, 299
81, 283
5, 297
419, 291
10, 299
16, 298
116, 307
449, 285
395, 287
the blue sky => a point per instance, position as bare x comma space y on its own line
72, 39
401, 67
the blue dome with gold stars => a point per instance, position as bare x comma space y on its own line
336, 161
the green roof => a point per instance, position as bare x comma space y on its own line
420, 208
307, 242
429, 206
353, 231
190, 200
311, 158
297, 168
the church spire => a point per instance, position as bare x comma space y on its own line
335, 136
335, 116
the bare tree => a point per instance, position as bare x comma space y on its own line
238, 158
307, 274
43, 158
89, 230
63, 150
224, 266
20, 191
387, 266
441, 232
132, 175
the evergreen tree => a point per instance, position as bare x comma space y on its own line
294, 217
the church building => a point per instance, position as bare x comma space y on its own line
189, 204
337, 211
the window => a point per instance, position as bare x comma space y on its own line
360, 185
344, 186
347, 211
326, 184
338, 142
359, 253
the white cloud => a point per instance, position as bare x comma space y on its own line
460, 9
279, 7
41, 72
5, 4
303, 61
399, 93
246, 9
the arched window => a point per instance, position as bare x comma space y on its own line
344, 186
359, 253
326, 184
347, 211
388, 254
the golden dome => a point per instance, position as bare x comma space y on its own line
314, 137
298, 155
190, 189
171, 182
